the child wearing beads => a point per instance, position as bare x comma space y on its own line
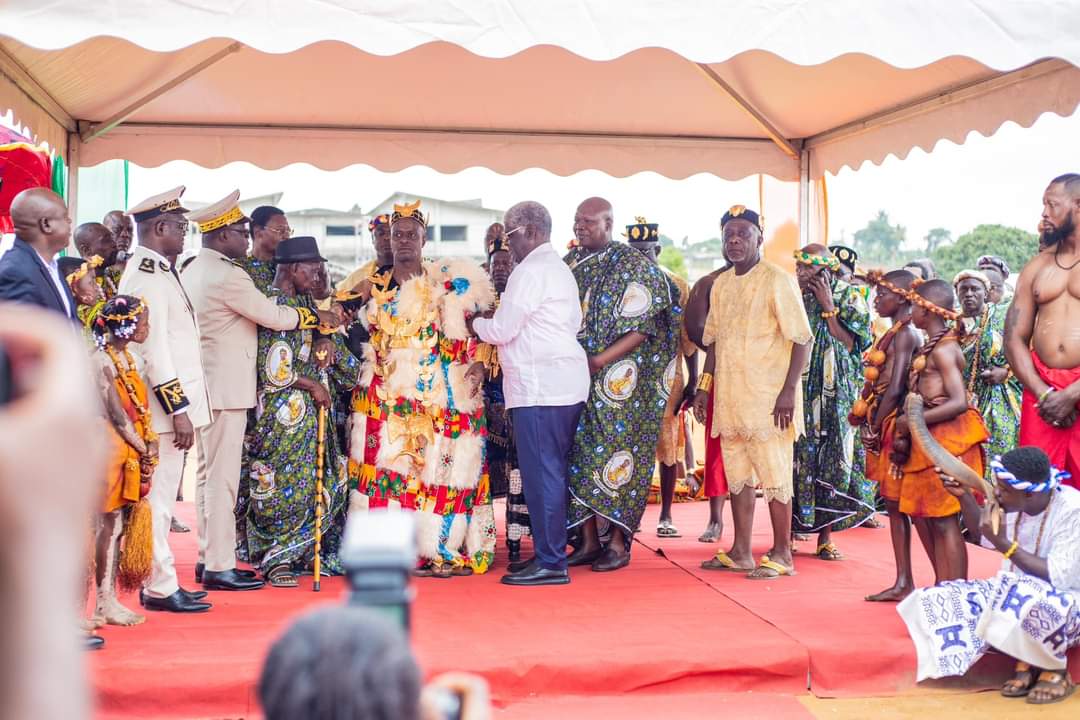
89, 297
937, 375
125, 560
887, 365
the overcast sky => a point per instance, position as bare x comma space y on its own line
987, 180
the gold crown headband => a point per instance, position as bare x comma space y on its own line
77, 275
410, 211
804, 258
130, 315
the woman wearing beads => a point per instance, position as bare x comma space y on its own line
124, 540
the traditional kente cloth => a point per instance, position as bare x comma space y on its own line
879, 465
715, 484
831, 489
283, 454
1062, 445
999, 405
1025, 617
921, 491
754, 320
671, 426
122, 473
614, 452
425, 431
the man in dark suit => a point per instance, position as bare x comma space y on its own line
28, 271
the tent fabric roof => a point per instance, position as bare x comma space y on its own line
567, 85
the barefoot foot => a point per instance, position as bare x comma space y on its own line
117, 614
894, 594
712, 533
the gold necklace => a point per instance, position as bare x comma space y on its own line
140, 409
984, 321
1042, 527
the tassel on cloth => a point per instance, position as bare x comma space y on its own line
136, 547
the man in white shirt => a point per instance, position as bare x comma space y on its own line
545, 381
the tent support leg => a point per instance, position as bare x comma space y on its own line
73, 162
805, 220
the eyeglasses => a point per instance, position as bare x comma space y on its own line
281, 232
511, 232
183, 225
242, 231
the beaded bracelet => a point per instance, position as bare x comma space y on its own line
831, 313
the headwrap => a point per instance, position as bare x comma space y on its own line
993, 261
642, 231
1050, 483
497, 242
972, 275
376, 221
805, 258
847, 256
409, 211
739, 212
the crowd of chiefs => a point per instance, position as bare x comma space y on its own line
560, 382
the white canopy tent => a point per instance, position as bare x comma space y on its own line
790, 88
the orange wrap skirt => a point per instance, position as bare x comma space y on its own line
921, 491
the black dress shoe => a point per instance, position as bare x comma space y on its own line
229, 580
201, 567
519, 565
611, 560
178, 602
578, 557
194, 594
536, 576
94, 642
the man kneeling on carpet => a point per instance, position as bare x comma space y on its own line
1031, 609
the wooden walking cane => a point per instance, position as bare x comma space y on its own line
320, 470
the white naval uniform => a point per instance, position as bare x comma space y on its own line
174, 375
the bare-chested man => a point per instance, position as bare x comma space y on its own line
1042, 331
716, 489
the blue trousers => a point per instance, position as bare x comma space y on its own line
542, 437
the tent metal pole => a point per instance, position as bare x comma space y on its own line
763, 122
11, 68
805, 220
73, 161
94, 130
921, 106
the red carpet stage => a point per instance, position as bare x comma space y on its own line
660, 638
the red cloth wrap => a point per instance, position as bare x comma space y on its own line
1061, 444
715, 480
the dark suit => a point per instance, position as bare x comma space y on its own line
25, 278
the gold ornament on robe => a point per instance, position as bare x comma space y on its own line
417, 429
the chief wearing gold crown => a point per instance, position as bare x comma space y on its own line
425, 429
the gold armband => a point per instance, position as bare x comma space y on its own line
704, 383
1012, 550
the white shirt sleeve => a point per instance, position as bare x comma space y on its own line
521, 298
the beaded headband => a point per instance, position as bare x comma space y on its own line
917, 299
805, 258
77, 275
122, 321
877, 277
1050, 483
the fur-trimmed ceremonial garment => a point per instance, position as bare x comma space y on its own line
418, 434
